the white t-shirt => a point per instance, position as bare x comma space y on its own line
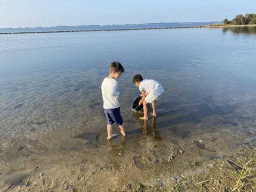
148, 85
109, 93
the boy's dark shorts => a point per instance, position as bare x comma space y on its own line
113, 116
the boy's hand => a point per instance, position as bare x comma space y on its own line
145, 94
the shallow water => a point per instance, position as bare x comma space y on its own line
51, 105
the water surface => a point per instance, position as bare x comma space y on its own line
51, 105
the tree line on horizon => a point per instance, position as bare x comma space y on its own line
242, 20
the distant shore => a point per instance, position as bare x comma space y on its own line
94, 30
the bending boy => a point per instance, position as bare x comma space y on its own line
150, 91
110, 98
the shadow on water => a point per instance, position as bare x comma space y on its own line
18, 179
240, 30
89, 138
116, 153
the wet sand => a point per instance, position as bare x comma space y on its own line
152, 155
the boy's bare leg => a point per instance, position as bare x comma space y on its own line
145, 109
109, 130
154, 109
122, 130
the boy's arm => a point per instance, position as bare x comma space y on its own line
113, 91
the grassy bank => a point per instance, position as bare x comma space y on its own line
234, 171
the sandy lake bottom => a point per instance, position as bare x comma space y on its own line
162, 151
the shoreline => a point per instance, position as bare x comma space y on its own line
94, 30
225, 26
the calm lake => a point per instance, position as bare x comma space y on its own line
51, 104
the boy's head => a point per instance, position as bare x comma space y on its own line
116, 69
137, 79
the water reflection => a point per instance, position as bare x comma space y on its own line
148, 131
240, 30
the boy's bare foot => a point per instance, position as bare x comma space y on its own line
144, 118
153, 114
112, 136
123, 133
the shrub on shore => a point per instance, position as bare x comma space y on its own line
242, 20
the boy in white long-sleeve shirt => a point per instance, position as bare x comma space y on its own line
110, 99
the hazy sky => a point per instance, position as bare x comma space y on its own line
35, 13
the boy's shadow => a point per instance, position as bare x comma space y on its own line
116, 153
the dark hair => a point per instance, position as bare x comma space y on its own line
137, 78
116, 66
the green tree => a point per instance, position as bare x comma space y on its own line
250, 16
226, 21
242, 20
235, 22
253, 20
239, 20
